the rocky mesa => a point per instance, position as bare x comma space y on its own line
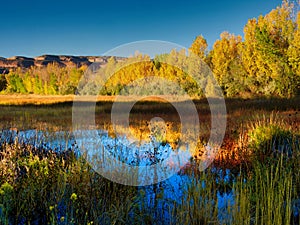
7, 64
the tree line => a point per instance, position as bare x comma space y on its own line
265, 62
49, 80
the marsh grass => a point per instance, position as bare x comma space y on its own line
39, 187
266, 198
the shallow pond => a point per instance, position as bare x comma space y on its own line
160, 188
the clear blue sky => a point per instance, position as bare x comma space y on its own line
36, 27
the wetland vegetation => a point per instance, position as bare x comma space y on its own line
254, 179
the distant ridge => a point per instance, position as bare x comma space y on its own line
7, 64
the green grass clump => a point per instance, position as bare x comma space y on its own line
269, 137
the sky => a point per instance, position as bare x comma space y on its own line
36, 27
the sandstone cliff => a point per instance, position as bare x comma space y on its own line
63, 60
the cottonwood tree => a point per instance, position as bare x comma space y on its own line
265, 52
199, 47
226, 63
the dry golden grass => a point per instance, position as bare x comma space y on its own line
21, 99
33, 99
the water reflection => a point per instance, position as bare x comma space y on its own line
161, 196
143, 162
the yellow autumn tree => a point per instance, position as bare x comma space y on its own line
294, 52
225, 63
265, 49
199, 47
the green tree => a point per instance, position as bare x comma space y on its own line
38, 86
15, 83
